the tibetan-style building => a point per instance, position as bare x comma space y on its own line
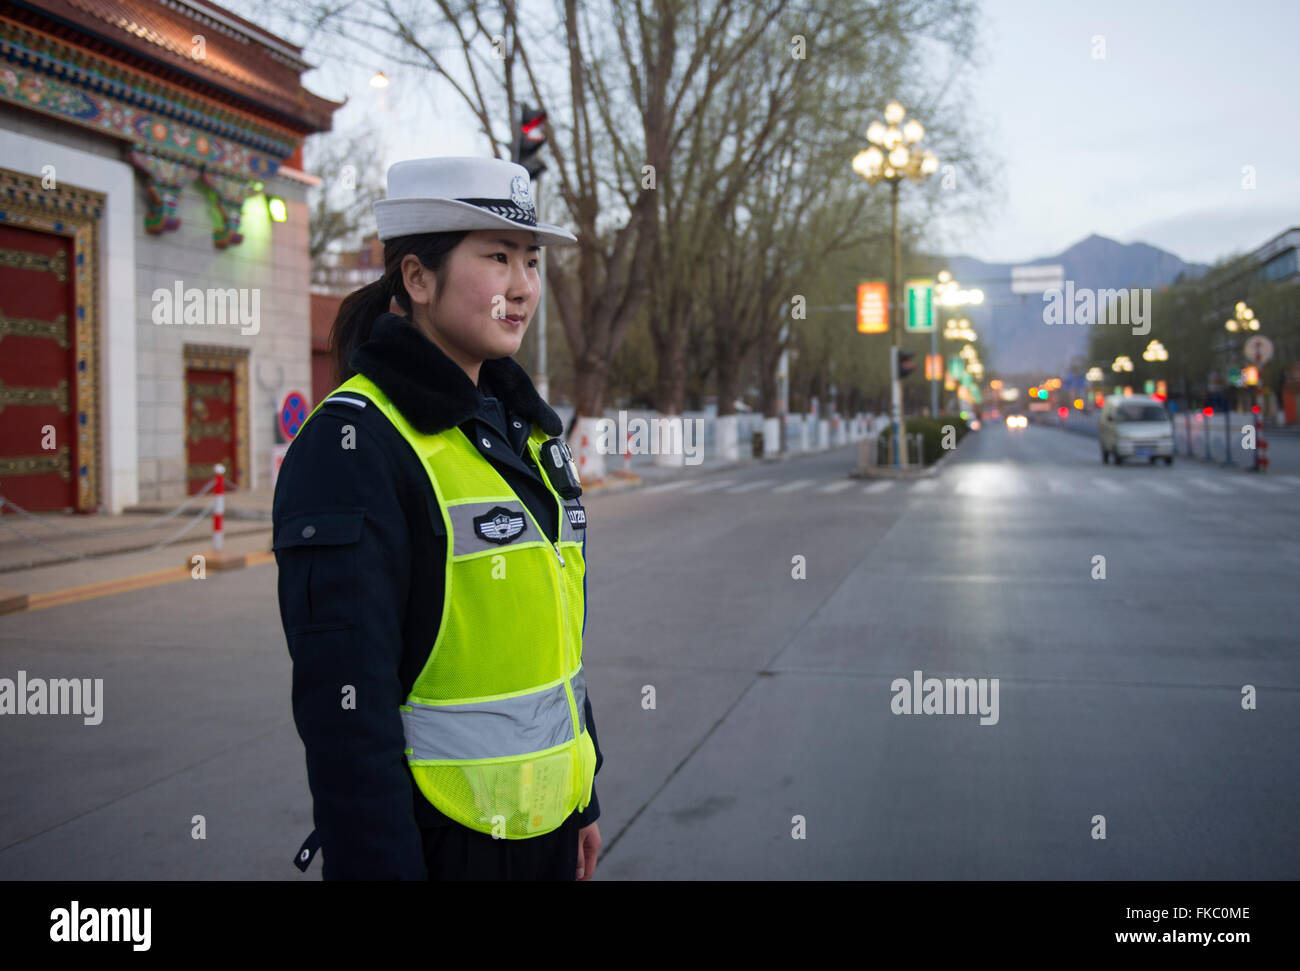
154, 272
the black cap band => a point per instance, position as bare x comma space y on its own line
504, 207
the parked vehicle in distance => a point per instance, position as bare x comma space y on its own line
1135, 426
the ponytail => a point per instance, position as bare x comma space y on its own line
359, 309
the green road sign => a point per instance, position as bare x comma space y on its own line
920, 306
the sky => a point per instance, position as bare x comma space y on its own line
1141, 120
1149, 144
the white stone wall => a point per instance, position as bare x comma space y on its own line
271, 260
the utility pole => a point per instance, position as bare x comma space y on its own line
543, 382
895, 328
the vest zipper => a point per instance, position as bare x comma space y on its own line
564, 599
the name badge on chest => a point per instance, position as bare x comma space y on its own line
577, 516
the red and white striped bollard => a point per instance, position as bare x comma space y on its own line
219, 508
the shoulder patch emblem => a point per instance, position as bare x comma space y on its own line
577, 516
499, 524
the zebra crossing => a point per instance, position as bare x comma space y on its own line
1006, 481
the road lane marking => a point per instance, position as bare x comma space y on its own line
926, 486
836, 486
1260, 484
1060, 487
708, 486
878, 487
1208, 486
749, 486
1164, 488
1105, 485
991, 485
665, 486
796, 484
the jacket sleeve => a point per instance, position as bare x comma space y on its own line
592, 812
342, 548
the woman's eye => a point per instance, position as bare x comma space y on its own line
532, 264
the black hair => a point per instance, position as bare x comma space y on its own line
359, 309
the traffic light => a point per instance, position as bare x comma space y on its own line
905, 363
529, 141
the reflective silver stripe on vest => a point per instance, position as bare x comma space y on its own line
579, 683
489, 729
568, 534
467, 538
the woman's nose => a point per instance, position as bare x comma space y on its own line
522, 282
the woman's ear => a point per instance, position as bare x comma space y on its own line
419, 281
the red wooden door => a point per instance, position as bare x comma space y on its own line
209, 425
38, 382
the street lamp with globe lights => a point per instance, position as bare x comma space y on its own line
895, 154
1122, 364
949, 293
1242, 319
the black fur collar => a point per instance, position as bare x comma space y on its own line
432, 391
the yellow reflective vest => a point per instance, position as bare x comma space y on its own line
496, 734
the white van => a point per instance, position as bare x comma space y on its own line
1136, 426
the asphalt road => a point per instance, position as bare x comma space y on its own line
772, 696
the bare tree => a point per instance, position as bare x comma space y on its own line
351, 182
764, 192
664, 114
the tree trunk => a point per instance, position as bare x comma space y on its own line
670, 383
769, 359
728, 374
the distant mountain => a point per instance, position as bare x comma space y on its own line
1012, 324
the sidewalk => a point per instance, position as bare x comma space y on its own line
43, 539
54, 558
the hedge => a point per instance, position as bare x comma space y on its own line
932, 433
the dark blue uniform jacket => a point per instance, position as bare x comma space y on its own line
361, 550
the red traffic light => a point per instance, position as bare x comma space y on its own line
529, 141
1254, 409
1062, 411
905, 364
1207, 412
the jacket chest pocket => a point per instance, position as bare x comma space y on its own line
316, 553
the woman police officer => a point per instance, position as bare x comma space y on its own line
431, 552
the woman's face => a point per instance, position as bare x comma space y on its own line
493, 284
